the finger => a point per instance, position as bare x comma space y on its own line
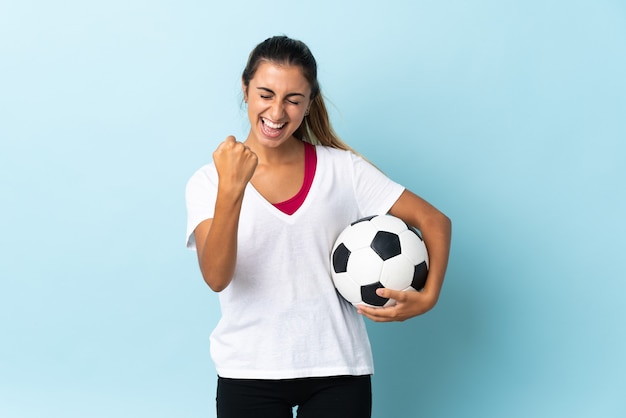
375, 311
377, 314
229, 143
397, 295
226, 143
245, 150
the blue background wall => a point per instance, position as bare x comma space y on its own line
507, 115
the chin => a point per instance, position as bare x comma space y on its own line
261, 138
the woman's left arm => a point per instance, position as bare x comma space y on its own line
436, 231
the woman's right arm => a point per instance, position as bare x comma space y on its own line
216, 239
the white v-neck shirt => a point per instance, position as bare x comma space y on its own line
281, 315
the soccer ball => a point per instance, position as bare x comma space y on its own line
374, 252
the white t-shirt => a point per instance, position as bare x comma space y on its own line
281, 315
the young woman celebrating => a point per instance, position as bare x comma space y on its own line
263, 217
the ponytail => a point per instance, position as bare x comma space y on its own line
316, 127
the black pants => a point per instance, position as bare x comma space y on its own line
317, 397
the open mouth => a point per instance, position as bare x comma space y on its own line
271, 129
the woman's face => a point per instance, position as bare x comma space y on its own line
278, 97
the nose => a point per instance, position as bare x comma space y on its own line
277, 110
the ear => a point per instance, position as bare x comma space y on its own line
244, 89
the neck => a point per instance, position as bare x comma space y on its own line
284, 153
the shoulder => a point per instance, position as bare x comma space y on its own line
334, 154
204, 177
345, 158
206, 171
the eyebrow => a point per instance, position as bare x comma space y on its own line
272, 92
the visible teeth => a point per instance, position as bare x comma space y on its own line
272, 124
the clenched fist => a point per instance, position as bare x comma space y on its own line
235, 163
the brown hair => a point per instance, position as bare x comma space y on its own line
316, 127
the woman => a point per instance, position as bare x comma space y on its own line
263, 218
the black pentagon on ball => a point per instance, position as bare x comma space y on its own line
340, 258
419, 276
368, 294
386, 244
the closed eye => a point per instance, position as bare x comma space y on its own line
267, 94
